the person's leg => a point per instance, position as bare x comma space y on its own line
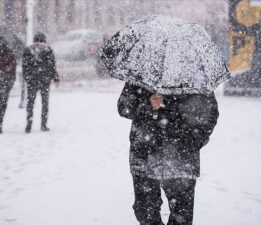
180, 194
147, 200
4, 95
45, 90
3, 105
31, 95
23, 90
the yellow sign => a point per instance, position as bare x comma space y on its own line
244, 48
241, 51
243, 38
247, 14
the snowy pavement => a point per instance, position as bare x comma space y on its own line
78, 173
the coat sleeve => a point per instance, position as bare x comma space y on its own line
52, 64
199, 115
27, 64
133, 103
11, 65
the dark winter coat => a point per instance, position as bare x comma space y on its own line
7, 64
165, 144
38, 64
7, 77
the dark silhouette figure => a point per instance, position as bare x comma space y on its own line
166, 136
38, 71
7, 76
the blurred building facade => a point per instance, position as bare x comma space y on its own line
12, 15
58, 16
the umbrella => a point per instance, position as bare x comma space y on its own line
165, 55
13, 41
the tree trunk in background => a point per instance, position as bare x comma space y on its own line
29, 22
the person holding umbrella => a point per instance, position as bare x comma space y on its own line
7, 76
171, 69
39, 70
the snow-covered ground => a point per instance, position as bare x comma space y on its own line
78, 173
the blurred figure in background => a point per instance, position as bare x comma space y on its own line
7, 76
17, 45
39, 70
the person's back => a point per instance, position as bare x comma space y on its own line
7, 76
166, 136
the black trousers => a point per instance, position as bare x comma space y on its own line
32, 89
180, 195
5, 88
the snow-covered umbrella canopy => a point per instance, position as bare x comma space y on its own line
165, 55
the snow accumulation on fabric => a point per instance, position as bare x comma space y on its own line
166, 55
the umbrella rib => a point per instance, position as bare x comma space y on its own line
129, 50
164, 43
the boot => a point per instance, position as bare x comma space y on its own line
44, 128
28, 127
21, 105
